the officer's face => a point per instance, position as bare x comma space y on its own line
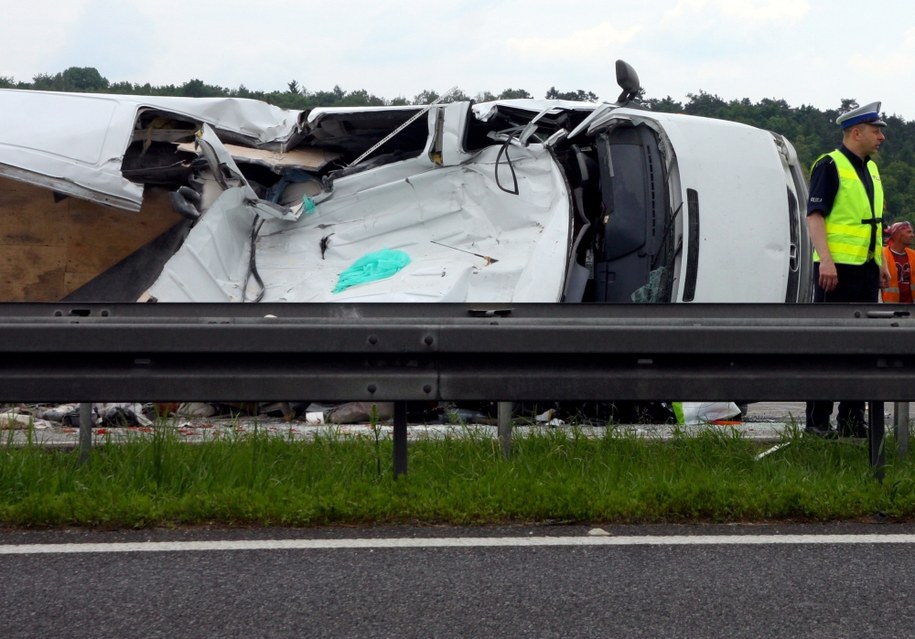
870, 138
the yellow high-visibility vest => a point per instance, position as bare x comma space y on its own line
851, 221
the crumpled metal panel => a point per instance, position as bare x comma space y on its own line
468, 240
74, 143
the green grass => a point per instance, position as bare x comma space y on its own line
552, 476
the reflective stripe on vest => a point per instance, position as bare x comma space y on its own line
851, 221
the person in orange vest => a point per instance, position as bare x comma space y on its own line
900, 260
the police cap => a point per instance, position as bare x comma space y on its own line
866, 114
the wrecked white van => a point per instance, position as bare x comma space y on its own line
509, 201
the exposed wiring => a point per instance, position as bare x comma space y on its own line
504, 151
252, 264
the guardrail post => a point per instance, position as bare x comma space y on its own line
505, 428
875, 438
85, 431
901, 421
400, 438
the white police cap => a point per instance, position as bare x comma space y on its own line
867, 114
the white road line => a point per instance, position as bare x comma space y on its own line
451, 542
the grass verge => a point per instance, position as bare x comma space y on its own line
552, 475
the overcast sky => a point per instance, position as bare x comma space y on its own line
807, 52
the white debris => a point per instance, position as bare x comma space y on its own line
13, 420
196, 409
314, 418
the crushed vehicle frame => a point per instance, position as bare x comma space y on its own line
513, 201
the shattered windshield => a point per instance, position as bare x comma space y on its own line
628, 247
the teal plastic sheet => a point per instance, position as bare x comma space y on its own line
371, 268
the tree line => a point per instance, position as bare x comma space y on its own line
812, 131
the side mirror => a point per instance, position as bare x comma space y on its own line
628, 80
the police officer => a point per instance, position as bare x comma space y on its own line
844, 219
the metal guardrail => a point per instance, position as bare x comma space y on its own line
407, 352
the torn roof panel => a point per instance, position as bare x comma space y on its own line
74, 143
485, 110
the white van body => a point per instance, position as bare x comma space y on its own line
505, 202
697, 210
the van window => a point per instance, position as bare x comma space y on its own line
633, 242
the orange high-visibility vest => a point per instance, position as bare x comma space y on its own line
890, 294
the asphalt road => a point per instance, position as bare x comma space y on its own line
591, 585
452, 586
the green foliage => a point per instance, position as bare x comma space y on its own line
580, 95
426, 97
514, 94
198, 89
76, 79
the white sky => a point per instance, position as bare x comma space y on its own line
807, 52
